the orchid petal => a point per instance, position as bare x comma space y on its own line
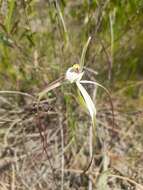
106, 90
53, 85
93, 82
89, 103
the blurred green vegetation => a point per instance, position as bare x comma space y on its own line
39, 40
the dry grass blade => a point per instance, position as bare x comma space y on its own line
16, 92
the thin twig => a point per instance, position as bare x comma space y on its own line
16, 92
62, 153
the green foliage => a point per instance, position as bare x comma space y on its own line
37, 46
9, 16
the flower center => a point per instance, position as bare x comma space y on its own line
76, 68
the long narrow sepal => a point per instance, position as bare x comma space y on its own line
89, 103
108, 93
53, 85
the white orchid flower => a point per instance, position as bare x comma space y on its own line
74, 75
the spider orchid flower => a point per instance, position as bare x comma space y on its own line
74, 75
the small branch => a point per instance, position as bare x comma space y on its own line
16, 92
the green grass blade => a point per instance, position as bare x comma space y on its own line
82, 59
8, 19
